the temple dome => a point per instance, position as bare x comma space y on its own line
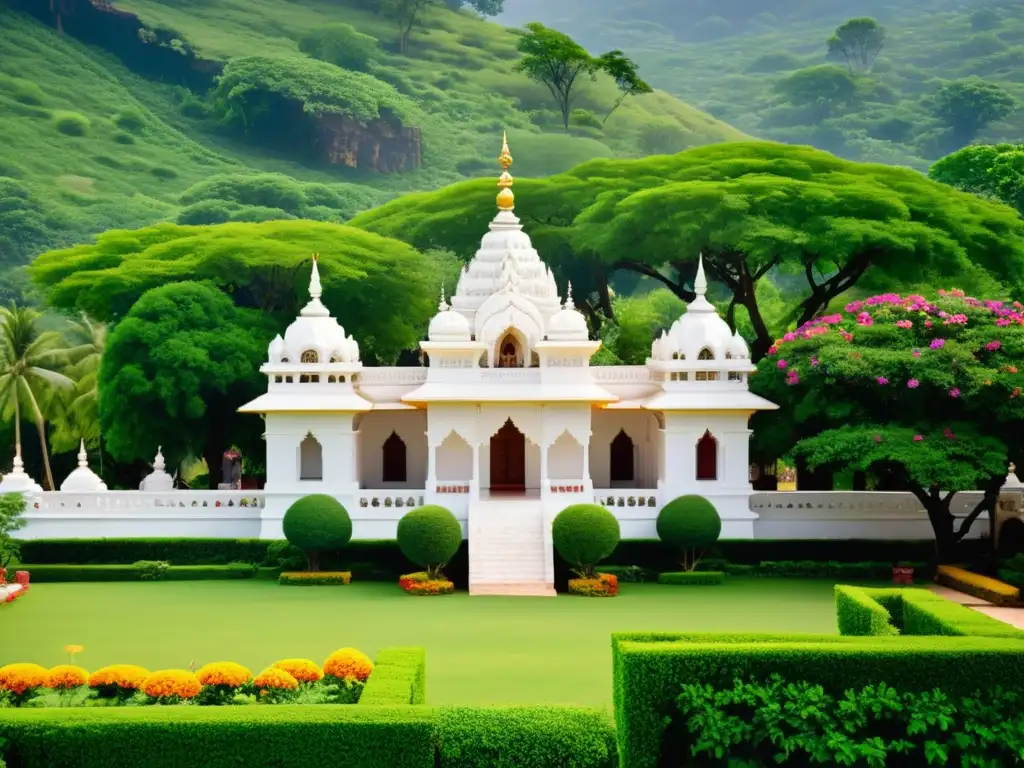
83, 479
314, 337
569, 324
449, 325
738, 348
700, 329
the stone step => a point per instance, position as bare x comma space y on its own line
512, 589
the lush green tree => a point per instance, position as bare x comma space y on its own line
175, 371
12, 506
995, 171
826, 88
317, 523
31, 361
753, 208
558, 62
857, 43
484, 7
663, 136
926, 392
382, 291
403, 13
342, 45
429, 536
689, 525
968, 106
584, 535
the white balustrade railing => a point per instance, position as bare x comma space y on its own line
387, 499
616, 498
452, 487
392, 376
621, 374
143, 501
511, 375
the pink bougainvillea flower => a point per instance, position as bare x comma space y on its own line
913, 384
954, 392
937, 343
814, 362
882, 381
782, 365
916, 353
904, 324
846, 334
918, 438
992, 346
772, 350
957, 319
793, 378
928, 323
949, 433
865, 319
854, 306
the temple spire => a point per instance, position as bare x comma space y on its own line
83, 457
443, 306
506, 199
314, 308
700, 283
568, 297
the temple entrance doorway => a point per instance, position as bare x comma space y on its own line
508, 459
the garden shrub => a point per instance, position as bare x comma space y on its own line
303, 670
127, 551
348, 664
980, 586
689, 525
220, 737
341, 45
602, 585
318, 579
399, 677
71, 123
583, 535
429, 536
873, 724
135, 572
317, 523
152, 570
649, 670
693, 578
171, 686
130, 120
118, 681
524, 737
857, 613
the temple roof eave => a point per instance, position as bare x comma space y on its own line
307, 402
438, 392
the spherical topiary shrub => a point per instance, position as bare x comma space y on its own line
429, 536
689, 525
584, 535
317, 523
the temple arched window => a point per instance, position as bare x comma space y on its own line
311, 459
706, 354
310, 356
394, 460
623, 468
707, 457
508, 353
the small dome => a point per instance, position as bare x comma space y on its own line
698, 332
276, 350
449, 325
738, 348
568, 324
315, 337
158, 480
83, 479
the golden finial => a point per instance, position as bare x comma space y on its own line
506, 200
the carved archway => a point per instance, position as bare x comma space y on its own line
622, 468
707, 457
508, 459
311, 459
395, 465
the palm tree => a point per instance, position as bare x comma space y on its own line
77, 408
30, 360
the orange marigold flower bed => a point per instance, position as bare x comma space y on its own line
66, 676
169, 683
225, 673
605, 585
123, 676
348, 664
276, 678
303, 670
428, 587
19, 678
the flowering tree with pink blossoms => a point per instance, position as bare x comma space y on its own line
930, 390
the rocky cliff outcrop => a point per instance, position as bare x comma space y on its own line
383, 145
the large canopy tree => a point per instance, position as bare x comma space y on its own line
752, 208
176, 369
382, 291
995, 171
926, 390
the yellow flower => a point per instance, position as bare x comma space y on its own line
73, 649
348, 664
168, 683
303, 670
272, 677
124, 676
66, 677
225, 673
18, 678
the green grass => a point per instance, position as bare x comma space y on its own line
83, 169
480, 650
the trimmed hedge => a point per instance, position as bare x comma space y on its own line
649, 670
694, 578
42, 574
862, 611
317, 579
286, 736
525, 737
128, 551
994, 591
399, 677
291, 736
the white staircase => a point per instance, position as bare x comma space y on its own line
509, 553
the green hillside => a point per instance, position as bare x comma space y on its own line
97, 136
729, 58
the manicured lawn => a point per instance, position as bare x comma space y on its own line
481, 650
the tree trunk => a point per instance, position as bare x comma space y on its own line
810, 480
17, 425
46, 455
